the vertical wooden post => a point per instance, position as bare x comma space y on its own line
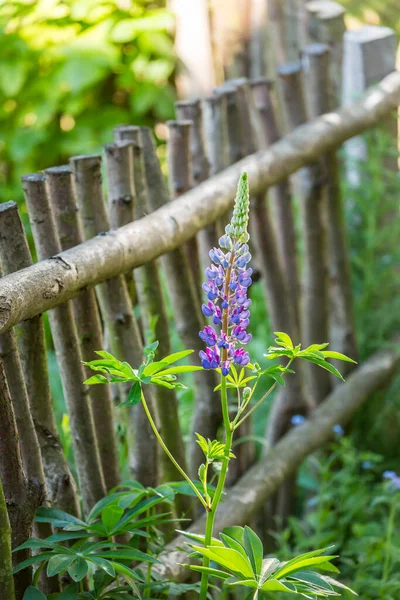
66, 343
260, 50
15, 255
6, 579
28, 441
192, 111
116, 308
311, 189
23, 496
280, 196
180, 181
87, 319
186, 305
153, 309
369, 55
341, 317
325, 24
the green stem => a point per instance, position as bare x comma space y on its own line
168, 453
237, 423
389, 535
220, 485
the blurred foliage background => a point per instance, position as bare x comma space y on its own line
71, 71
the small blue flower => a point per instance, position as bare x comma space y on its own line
367, 464
297, 420
338, 429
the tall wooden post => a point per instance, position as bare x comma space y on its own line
369, 55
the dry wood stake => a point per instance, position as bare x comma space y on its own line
23, 496
15, 255
191, 110
341, 318
116, 307
87, 319
66, 344
180, 181
311, 188
280, 196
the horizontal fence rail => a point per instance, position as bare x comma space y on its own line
51, 282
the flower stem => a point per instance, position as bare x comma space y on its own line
236, 423
168, 453
220, 485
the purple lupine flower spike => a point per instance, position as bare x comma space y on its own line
228, 279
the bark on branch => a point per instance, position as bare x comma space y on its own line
47, 284
265, 478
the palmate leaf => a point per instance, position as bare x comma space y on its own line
241, 563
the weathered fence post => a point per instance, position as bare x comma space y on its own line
310, 185
155, 321
28, 441
66, 344
192, 111
369, 55
325, 24
180, 177
7, 590
15, 255
186, 304
23, 496
116, 307
87, 319
341, 317
280, 196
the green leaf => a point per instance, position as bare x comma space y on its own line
338, 356
231, 542
32, 593
35, 543
135, 394
58, 517
284, 339
303, 561
272, 585
179, 369
321, 363
313, 578
150, 348
338, 584
152, 368
227, 557
78, 569
254, 549
127, 571
96, 379
59, 563
209, 571
173, 358
128, 554
269, 566
33, 560
103, 564
110, 516
200, 538
101, 504
234, 581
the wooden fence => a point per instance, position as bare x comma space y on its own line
99, 261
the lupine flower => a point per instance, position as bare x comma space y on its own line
228, 279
